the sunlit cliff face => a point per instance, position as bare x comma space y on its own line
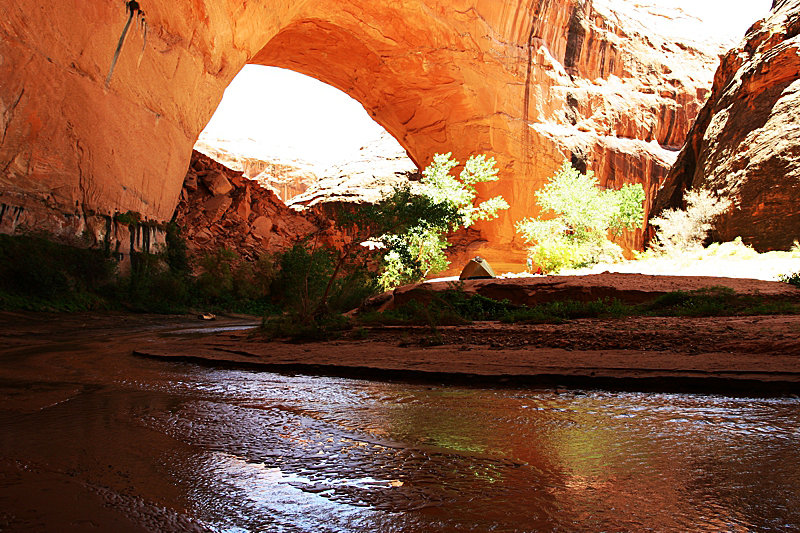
743, 145
531, 85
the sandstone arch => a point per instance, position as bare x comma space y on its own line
531, 83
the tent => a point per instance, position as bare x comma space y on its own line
478, 268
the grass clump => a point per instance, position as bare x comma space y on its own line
564, 310
792, 278
716, 301
455, 307
704, 302
451, 307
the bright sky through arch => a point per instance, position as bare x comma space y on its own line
292, 115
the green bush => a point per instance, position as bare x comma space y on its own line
792, 279
215, 281
583, 216
38, 274
296, 327
419, 249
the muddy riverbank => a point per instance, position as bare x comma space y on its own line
737, 355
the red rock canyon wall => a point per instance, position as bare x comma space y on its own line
745, 144
531, 83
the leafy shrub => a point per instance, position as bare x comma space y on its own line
298, 328
38, 274
792, 279
419, 250
253, 280
311, 286
176, 251
215, 281
680, 230
584, 215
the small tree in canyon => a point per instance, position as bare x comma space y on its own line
584, 215
681, 230
421, 250
319, 281
407, 230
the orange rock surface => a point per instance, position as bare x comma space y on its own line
247, 218
744, 145
531, 83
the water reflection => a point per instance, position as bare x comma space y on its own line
236, 451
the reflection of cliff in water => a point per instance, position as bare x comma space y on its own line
91, 437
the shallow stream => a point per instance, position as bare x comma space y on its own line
98, 440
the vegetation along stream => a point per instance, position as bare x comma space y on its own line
94, 439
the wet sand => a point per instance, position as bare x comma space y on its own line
749, 355
731, 355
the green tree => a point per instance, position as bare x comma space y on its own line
409, 227
584, 215
420, 250
400, 213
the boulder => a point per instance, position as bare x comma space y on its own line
217, 183
190, 181
261, 227
216, 206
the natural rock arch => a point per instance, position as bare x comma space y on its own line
529, 83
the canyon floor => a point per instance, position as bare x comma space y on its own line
727, 354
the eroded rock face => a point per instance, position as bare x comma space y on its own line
287, 177
248, 219
372, 173
530, 83
745, 144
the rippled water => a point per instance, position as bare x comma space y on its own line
154, 446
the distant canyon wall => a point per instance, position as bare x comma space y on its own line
612, 88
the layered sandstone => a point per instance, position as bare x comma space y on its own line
286, 176
530, 83
745, 144
369, 175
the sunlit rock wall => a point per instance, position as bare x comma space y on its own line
745, 144
614, 89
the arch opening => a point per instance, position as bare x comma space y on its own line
290, 131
